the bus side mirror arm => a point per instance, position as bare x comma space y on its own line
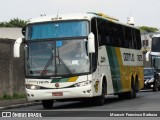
91, 43
16, 47
147, 55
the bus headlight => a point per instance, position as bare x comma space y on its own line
80, 84
32, 87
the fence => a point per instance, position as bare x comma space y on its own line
11, 69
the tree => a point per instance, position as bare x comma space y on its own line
15, 22
148, 29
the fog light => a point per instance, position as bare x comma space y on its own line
32, 87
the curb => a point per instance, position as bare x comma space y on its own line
20, 105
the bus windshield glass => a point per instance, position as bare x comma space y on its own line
57, 58
48, 30
155, 44
156, 62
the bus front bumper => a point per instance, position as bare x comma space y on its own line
58, 94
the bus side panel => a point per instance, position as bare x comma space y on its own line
115, 69
124, 63
131, 65
105, 68
141, 78
124, 72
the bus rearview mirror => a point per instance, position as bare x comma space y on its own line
147, 55
16, 47
91, 43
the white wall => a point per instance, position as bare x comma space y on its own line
10, 33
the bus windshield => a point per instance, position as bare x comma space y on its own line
155, 44
156, 62
56, 58
57, 29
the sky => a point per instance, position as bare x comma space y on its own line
145, 12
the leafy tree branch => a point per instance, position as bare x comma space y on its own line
15, 22
148, 29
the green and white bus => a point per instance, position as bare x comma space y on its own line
110, 60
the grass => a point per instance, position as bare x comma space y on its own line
14, 96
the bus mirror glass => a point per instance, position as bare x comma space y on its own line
16, 47
91, 43
23, 31
147, 55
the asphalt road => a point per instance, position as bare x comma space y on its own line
146, 102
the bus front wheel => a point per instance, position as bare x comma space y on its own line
100, 100
47, 104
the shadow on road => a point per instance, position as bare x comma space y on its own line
147, 90
89, 104
85, 104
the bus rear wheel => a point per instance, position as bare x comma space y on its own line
132, 93
47, 104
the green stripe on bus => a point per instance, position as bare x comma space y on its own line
60, 80
64, 80
55, 80
114, 66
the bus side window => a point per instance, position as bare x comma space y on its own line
134, 39
125, 39
107, 40
128, 37
101, 32
110, 40
119, 35
138, 39
99, 39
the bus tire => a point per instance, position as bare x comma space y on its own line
137, 84
132, 94
47, 104
155, 88
159, 88
100, 100
135, 89
121, 96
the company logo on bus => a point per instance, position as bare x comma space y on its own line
57, 85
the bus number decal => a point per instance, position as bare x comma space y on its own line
128, 57
139, 57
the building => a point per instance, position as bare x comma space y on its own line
10, 33
147, 40
146, 45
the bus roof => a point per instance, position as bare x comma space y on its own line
60, 17
77, 16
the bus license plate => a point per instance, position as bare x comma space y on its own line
57, 94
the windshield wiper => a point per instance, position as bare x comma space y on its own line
70, 72
47, 65
49, 62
